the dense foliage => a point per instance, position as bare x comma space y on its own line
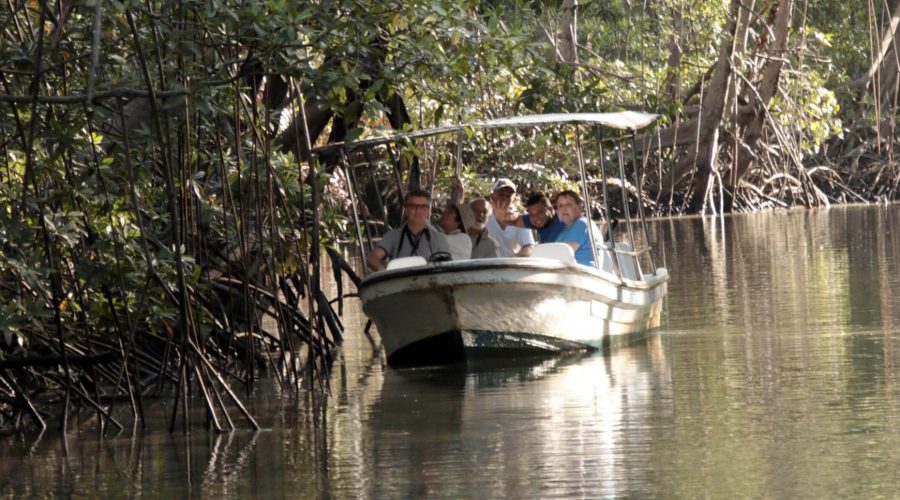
156, 198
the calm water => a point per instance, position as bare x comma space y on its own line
776, 375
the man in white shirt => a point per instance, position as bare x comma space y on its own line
514, 241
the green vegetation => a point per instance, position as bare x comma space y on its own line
156, 202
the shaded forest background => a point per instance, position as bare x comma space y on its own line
158, 200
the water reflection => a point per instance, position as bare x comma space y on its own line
553, 427
775, 375
789, 341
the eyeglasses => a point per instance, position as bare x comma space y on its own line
417, 206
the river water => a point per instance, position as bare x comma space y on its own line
776, 374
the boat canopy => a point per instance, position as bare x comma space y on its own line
620, 120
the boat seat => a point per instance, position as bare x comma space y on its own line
557, 251
403, 262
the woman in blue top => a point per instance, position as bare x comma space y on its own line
571, 209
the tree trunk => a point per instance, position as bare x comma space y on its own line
881, 78
751, 119
568, 33
292, 139
701, 130
672, 84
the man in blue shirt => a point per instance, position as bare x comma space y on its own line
541, 216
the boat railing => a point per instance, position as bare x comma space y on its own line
623, 259
624, 249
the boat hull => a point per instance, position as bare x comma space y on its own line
446, 312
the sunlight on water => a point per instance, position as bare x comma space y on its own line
776, 375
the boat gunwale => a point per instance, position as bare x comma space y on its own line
535, 263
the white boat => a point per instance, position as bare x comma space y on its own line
449, 311
428, 313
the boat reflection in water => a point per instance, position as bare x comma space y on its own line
466, 430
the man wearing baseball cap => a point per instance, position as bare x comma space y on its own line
514, 241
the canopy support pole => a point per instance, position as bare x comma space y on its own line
351, 188
378, 195
625, 205
587, 196
611, 237
639, 172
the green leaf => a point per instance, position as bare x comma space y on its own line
353, 134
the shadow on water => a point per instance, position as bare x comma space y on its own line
496, 373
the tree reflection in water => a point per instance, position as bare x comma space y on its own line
775, 375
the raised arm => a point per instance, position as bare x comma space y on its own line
505, 215
457, 191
